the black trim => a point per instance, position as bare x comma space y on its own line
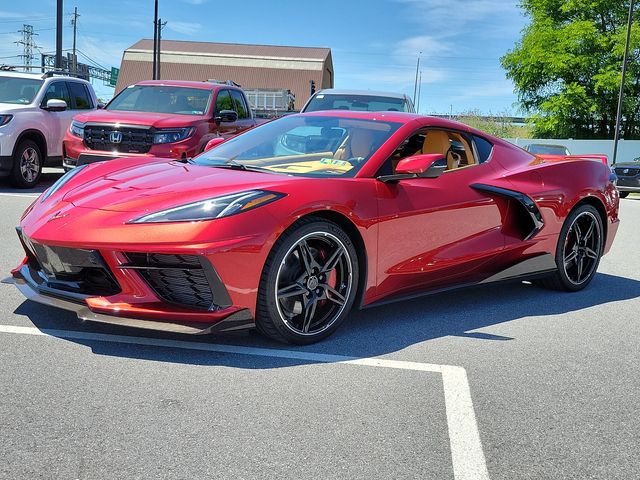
531, 268
530, 207
6, 164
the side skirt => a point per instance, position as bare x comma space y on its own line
531, 268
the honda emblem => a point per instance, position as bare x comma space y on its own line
115, 137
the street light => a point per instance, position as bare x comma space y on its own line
616, 135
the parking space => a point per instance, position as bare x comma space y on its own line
552, 377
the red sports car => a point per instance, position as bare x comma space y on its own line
289, 225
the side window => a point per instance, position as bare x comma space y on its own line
483, 147
224, 101
80, 96
59, 91
239, 104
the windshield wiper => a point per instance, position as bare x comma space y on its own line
233, 165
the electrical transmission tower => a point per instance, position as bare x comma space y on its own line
27, 45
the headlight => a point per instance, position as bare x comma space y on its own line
172, 135
212, 208
4, 119
77, 129
61, 181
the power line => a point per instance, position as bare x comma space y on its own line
27, 45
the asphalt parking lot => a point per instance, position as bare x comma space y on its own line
548, 387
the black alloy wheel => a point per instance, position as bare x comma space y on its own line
27, 165
309, 283
580, 247
624, 194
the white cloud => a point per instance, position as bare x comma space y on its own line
185, 28
451, 15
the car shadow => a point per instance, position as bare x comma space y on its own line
49, 176
367, 333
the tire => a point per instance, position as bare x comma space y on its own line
578, 252
309, 283
27, 165
624, 194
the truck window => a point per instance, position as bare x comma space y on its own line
80, 96
59, 91
239, 104
224, 101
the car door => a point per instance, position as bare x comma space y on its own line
56, 122
241, 107
436, 231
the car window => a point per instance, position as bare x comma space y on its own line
455, 148
20, 91
162, 99
362, 103
58, 91
483, 147
239, 104
309, 146
80, 96
224, 101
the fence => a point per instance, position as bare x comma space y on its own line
627, 149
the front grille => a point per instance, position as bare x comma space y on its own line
72, 270
627, 172
179, 279
132, 139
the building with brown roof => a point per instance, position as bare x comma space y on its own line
251, 66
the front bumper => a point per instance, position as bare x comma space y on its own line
86, 308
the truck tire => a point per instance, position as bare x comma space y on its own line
27, 165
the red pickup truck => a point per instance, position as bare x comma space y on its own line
158, 118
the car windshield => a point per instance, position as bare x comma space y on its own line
548, 149
162, 99
362, 103
18, 90
310, 146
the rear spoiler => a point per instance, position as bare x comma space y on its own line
598, 156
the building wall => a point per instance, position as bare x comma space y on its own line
293, 73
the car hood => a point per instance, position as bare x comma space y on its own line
626, 165
157, 186
158, 120
13, 107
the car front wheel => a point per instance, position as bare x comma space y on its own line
308, 284
27, 165
624, 194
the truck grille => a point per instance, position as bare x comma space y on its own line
179, 279
627, 172
131, 139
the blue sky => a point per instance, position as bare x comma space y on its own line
374, 44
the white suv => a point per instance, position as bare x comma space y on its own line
35, 112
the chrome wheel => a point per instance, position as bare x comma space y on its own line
313, 282
30, 164
582, 248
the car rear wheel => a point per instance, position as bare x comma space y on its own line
308, 284
624, 194
27, 165
579, 249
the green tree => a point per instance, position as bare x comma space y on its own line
567, 65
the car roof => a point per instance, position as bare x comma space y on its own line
185, 83
546, 145
9, 73
337, 91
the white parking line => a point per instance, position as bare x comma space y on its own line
466, 449
24, 195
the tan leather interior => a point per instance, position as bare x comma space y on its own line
437, 141
358, 144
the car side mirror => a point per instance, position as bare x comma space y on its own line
101, 105
214, 142
226, 116
428, 165
56, 105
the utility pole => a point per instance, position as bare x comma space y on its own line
419, 92
59, 35
160, 26
616, 135
155, 41
27, 45
415, 85
74, 22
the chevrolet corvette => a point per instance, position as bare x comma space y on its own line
288, 226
